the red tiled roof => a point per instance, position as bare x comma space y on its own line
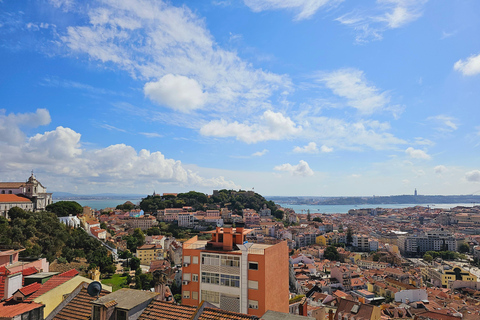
31, 288
13, 198
79, 308
2, 286
8, 310
53, 282
29, 271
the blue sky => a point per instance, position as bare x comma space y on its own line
289, 97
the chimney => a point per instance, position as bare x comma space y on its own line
330, 314
302, 308
12, 283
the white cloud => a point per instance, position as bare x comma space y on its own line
10, 125
301, 169
153, 39
305, 8
151, 134
272, 126
445, 123
59, 153
176, 92
350, 135
417, 153
469, 67
370, 24
326, 149
473, 176
260, 153
352, 85
440, 169
311, 147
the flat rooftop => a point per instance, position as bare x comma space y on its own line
256, 248
126, 298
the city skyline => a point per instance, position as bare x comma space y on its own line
304, 97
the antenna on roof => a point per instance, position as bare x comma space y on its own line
94, 289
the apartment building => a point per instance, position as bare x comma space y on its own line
235, 275
360, 242
143, 222
430, 241
149, 252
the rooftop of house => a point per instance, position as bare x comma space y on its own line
80, 307
13, 198
354, 309
52, 283
126, 298
10, 309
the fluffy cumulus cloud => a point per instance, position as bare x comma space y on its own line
176, 92
302, 169
59, 153
305, 8
171, 49
352, 85
417, 154
272, 126
473, 176
371, 23
311, 147
11, 124
468, 67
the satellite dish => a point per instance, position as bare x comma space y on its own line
94, 288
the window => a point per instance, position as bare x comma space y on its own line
252, 284
122, 315
186, 294
252, 304
229, 281
230, 261
186, 259
195, 277
253, 265
211, 296
211, 259
186, 276
208, 277
195, 260
194, 295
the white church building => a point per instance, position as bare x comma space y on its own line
30, 195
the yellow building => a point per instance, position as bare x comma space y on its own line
149, 252
321, 240
456, 273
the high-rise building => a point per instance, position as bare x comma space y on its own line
235, 275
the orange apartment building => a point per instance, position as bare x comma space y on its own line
235, 275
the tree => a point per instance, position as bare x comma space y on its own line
349, 238
309, 217
340, 228
317, 219
134, 263
65, 208
331, 253
376, 257
464, 248
427, 257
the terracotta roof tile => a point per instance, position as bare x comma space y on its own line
79, 308
13, 198
53, 282
167, 311
31, 288
8, 310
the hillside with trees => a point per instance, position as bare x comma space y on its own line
231, 199
44, 236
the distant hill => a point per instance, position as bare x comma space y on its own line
398, 199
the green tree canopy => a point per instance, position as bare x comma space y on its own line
65, 208
331, 253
